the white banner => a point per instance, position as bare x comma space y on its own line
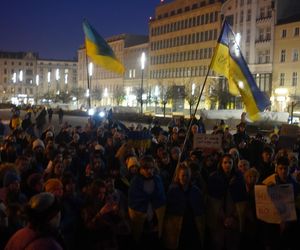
275, 204
207, 141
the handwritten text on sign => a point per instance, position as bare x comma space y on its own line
207, 141
275, 204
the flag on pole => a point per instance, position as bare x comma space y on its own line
99, 50
228, 61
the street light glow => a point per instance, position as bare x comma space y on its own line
14, 77
49, 76
143, 60
105, 94
37, 80
193, 88
21, 75
57, 76
90, 68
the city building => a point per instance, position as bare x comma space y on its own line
107, 88
17, 76
182, 36
253, 21
55, 80
26, 79
286, 69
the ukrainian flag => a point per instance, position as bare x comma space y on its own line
99, 50
228, 61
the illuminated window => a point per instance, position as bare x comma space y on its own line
295, 79
282, 55
295, 55
282, 79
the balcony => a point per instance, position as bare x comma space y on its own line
263, 19
263, 41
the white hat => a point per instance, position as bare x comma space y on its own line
38, 143
132, 161
49, 134
99, 147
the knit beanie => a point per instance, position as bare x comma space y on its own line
38, 143
52, 184
132, 161
42, 208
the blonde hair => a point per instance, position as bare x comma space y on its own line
181, 166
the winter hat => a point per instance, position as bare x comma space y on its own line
52, 184
99, 147
10, 177
132, 161
49, 134
38, 143
42, 208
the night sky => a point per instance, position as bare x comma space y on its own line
53, 28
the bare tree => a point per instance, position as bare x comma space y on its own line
191, 93
63, 96
165, 94
219, 95
119, 94
79, 93
97, 94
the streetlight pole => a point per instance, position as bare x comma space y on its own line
90, 72
143, 59
37, 81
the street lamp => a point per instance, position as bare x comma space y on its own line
143, 59
49, 79
37, 82
90, 74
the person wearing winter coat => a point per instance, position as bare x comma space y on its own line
184, 218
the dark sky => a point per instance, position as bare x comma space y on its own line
53, 28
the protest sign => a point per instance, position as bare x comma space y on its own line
206, 141
275, 204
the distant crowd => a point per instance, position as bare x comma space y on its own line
95, 187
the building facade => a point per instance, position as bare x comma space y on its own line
17, 76
254, 21
286, 70
55, 80
183, 36
108, 88
26, 79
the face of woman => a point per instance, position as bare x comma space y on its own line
282, 172
183, 177
227, 165
250, 179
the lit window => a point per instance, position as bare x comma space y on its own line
282, 78
282, 56
295, 78
283, 33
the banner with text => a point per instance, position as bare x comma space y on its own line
206, 141
275, 204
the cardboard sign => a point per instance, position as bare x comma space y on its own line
275, 204
207, 141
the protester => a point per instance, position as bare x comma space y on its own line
146, 202
43, 214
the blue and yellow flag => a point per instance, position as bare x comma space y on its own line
228, 61
99, 50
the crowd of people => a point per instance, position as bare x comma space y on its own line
90, 187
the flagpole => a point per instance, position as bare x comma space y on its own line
194, 115
88, 81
